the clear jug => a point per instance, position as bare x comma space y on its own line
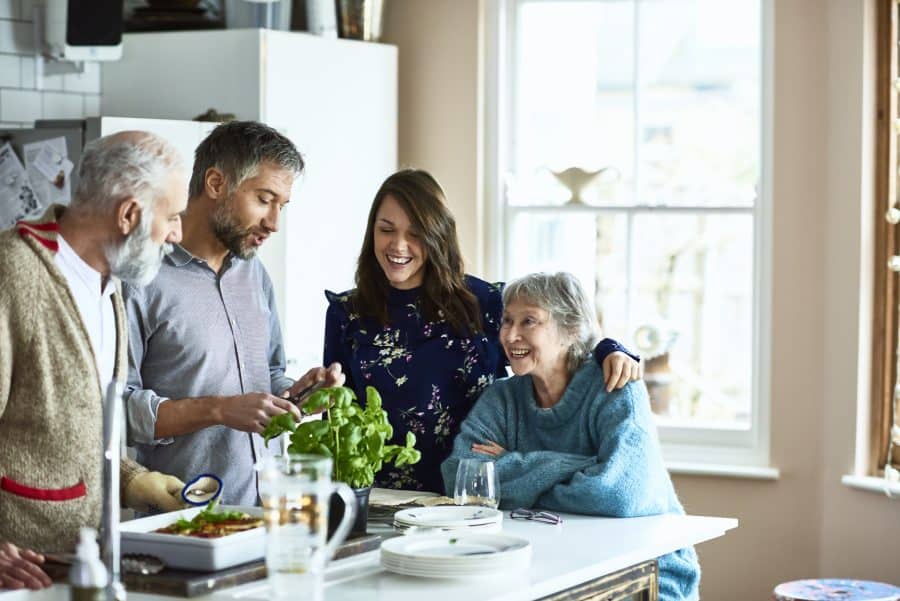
295, 491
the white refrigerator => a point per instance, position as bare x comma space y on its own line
337, 101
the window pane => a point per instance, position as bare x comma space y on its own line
553, 242
661, 96
574, 100
687, 306
664, 98
699, 70
689, 313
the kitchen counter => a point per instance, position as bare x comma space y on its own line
580, 549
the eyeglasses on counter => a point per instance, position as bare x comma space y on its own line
535, 516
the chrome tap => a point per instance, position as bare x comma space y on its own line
109, 523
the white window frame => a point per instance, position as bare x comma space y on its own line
686, 449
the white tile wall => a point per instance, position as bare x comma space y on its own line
62, 106
23, 106
9, 9
69, 96
92, 105
10, 71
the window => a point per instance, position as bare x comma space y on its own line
629, 151
886, 346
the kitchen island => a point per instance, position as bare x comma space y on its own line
570, 555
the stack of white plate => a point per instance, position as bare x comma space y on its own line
455, 554
449, 517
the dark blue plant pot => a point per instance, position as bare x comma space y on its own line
336, 512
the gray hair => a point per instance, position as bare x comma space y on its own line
124, 165
562, 296
236, 149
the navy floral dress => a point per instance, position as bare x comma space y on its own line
428, 376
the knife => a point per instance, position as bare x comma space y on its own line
300, 396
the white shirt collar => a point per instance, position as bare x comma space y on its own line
87, 274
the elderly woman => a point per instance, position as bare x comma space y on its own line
559, 439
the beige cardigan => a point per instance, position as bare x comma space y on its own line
51, 414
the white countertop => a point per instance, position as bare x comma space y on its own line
580, 549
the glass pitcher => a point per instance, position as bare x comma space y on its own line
295, 492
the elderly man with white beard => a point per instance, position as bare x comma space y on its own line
63, 338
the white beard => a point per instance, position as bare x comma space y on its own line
138, 259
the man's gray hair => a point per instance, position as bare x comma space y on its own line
236, 149
562, 296
123, 165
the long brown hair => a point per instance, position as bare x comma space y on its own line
444, 291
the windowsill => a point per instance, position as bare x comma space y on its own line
684, 468
871, 484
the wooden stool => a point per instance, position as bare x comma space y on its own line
835, 589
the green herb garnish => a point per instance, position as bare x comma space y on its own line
209, 515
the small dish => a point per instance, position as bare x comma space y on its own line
192, 553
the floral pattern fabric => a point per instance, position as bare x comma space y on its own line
428, 376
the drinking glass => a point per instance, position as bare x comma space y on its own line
476, 483
295, 492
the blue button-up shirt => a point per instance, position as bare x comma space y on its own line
194, 332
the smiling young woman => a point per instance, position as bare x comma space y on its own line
419, 329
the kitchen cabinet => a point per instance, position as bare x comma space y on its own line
335, 99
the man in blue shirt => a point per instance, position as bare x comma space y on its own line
206, 356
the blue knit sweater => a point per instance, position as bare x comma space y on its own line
592, 453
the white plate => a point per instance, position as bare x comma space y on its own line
474, 568
455, 546
451, 516
190, 552
444, 573
419, 530
455, 555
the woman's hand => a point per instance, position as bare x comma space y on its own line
20, 568
619, 369
488, 448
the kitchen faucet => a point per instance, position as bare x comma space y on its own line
109, 523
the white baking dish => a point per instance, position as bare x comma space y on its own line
189, 552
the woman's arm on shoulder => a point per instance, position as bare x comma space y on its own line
620, 366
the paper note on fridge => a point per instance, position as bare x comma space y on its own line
49, 168
17, 197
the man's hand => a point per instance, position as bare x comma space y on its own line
330, 376
154, 491
251, 412
20, 568
619, 369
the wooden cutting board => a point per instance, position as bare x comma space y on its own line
187, 583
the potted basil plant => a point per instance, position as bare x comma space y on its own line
353, 436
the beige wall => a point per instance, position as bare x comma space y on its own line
860, 531
806, 524
438, 57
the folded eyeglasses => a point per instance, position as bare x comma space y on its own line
535, 516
